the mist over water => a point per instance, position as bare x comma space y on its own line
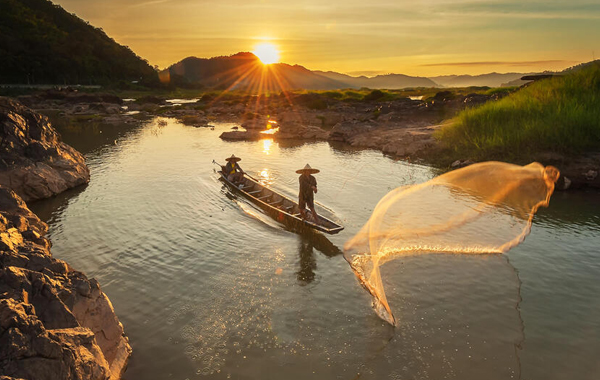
208, 287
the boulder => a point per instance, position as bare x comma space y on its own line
242, 135
301, 132
345, 131
33, 160
55, 323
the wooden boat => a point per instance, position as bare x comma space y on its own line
278, 206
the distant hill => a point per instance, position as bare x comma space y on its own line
244, 70
489, 80
388, 81
41, 43
581, 66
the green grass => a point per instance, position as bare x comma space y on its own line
560, 114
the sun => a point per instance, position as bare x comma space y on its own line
267, 53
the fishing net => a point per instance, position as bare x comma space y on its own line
483, 208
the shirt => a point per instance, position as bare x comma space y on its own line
306, 183
232, 167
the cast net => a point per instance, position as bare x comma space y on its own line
481, 209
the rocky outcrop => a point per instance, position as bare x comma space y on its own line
53, 98
33, 161
55, 323
284, 132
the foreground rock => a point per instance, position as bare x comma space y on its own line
33, 160
55, 323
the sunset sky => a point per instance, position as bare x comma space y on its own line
416, 37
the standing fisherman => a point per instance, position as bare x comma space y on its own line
232, 170
308, 187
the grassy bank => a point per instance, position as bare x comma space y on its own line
560, 115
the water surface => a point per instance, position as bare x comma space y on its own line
207, 286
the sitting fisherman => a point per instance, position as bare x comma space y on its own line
232, 170
308, 187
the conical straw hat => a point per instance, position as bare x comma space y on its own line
307, 169
233, 158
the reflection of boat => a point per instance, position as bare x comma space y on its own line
280, 207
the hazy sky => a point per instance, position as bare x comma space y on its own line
416, 37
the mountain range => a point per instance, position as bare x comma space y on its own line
244, 70
489, 80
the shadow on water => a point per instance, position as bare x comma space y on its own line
290, 143
344, 149
308, 262
307, 243
88, 136
46, 208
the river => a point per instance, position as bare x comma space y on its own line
208, 287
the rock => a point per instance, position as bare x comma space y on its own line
563, 183
241, 135
75, 98
65, 98
193, 120
582, 170
345, 131
461, 164
591, 175
258, 123
474, 100
300, 132
105, 108
285, 132
33, 160
55, 323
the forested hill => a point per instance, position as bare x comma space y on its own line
41, 43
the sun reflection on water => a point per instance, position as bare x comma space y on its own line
270, 131
267, 143
265, 177
271, 128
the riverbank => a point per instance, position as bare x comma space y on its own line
402, 124
55, 323
398, 123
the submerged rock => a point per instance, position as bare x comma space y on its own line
33, 161
55, 323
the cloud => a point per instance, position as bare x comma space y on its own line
146, 3
499, 63
367, 73
546, 10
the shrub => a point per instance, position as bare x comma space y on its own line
374, 95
